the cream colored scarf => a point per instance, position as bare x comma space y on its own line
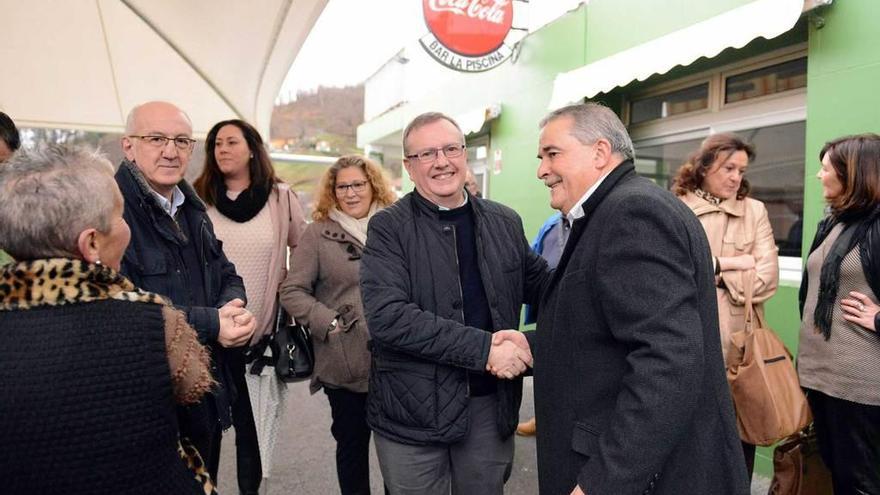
357, 228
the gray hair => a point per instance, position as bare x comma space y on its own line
593, 121
49, 195
425, 119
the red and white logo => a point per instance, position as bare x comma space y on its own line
468, 35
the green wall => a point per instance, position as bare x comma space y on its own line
842, 95
557, 48
612, 27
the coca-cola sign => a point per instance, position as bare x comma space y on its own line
468, 35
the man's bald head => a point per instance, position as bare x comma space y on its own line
160, 160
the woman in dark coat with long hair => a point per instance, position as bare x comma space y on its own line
839, 351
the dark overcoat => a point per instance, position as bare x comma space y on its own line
630, 388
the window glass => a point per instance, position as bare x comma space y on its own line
777, 179
478, 160
669, 104
660, 163
776, 175
768, 80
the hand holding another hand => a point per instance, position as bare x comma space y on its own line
237, 324
509, 355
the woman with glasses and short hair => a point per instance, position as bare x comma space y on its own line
322, 292
92, 366
257, 217
839, 349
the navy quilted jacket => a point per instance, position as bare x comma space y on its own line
421, 348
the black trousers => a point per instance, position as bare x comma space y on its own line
749, 453
849, 442
352, 435
247, 449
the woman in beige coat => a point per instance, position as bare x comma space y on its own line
711, 183
322, 292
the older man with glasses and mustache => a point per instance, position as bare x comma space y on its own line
442, 271
174, 253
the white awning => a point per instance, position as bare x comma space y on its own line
734, 28
84, 64
472, 121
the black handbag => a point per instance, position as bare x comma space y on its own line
292, 351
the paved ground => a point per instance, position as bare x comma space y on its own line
304, 461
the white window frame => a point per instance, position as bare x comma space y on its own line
481, 168
764, 111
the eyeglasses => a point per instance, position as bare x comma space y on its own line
357, 186
156, 141
430, 156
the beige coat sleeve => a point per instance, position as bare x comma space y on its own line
188, 360
766, 256
298, 290
297, 220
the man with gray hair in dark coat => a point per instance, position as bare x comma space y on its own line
630, 386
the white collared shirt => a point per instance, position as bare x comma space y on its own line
170, 207
443, 208
578, 212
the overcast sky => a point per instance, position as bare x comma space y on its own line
351, 40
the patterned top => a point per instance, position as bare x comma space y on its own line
847, 366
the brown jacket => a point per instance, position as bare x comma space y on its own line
737, 227
322, 284
188, 360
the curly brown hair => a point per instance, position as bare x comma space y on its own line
717, 146
326, 191
856, 159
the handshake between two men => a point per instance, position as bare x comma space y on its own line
510, 355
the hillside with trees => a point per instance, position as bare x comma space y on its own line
320, 122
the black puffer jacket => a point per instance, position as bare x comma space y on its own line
421, 349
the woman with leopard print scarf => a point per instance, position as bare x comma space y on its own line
91, 365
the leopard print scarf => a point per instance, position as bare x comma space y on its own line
60, 281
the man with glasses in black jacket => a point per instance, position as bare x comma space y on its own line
441, 272
174, 253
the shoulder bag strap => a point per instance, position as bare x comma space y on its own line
749, 287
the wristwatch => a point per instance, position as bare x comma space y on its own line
333, 324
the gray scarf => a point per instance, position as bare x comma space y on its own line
357, 228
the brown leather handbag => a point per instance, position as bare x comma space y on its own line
798, 468
770, 404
